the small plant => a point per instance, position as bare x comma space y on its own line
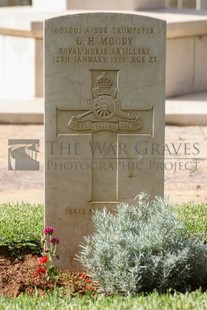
141, 248
46, 261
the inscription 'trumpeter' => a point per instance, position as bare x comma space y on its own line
105, 110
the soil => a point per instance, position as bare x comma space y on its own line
20, 275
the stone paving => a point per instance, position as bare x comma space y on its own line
187, 179
20, 186
185, 165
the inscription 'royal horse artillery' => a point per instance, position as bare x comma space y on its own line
105, 110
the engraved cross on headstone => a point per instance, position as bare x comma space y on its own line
105, 120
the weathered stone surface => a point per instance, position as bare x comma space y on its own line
104, 118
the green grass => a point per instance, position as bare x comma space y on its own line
195, 218
193, 301
22, 224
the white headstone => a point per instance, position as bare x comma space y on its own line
104, 118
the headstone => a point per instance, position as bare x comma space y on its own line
51, 5
104, 118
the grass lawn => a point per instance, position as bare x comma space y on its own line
193, 301
21, 228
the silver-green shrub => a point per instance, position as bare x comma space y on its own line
143, 247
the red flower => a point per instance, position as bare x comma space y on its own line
88, 280
54, 241
39, 270
43, 260
83, 275
48, 230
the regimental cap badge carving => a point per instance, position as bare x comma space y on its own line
105, 110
